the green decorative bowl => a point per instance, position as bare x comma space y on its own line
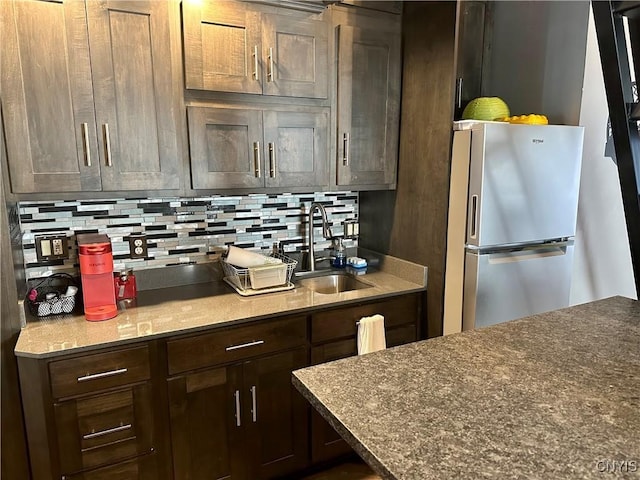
486, 108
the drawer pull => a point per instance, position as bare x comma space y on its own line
254, 406
237, 398
244, 345
108, 431
95, 376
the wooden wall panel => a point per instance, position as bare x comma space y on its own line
12, 437
411, 222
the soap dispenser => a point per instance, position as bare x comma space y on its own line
340, 257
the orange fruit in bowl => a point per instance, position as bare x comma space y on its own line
531, 119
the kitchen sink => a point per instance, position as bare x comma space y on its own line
333, 283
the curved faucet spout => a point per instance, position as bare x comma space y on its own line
326, 231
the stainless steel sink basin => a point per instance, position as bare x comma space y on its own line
334, 283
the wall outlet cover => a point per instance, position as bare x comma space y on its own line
138, 246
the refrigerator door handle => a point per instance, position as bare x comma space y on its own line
474, 216
513, 257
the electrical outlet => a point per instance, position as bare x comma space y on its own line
52, 247
137, 245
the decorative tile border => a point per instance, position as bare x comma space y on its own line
182, 230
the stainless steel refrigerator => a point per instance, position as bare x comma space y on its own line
512, 221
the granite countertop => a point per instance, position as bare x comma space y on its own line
170, 311
552, 396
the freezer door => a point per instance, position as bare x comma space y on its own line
523, 183
499, 287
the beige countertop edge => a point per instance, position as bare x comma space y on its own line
50, 337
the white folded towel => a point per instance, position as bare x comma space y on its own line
371, 334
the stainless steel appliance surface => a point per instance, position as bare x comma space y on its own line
512, 221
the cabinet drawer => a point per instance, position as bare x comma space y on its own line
336, 350
234, 344
91, 373
104, 429
348, 347
401, 335
341, 322
141, 468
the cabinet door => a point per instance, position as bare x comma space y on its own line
221, 46
326, 443
47, 97
296, 56
139, 468
104, 429
296, 148
131, 65
206, 424
225, 147
368, 106
277, 427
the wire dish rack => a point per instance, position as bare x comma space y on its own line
271, 277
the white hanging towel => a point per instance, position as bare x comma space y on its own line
371, 334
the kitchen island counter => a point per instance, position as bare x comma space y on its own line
555, 395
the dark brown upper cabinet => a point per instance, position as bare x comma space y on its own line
251, 148
232, 47
88, 96
368, 105
382, 5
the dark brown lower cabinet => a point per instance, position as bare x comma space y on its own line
242, 421
103, 429
335, 334
140, 468
218, 405
95, 416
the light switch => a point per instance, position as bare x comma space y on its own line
52, 247
45, 247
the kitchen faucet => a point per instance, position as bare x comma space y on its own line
326, 232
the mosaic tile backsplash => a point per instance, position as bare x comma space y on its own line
182, 230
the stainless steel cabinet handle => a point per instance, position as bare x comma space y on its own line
244, 345
255, 62
272, 160
107, 144
256, 158
270, 71
459, 92
85, 143
101, 433
254, 407
110, 373
237, 397
345, 149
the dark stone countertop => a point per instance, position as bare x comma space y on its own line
552, 396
